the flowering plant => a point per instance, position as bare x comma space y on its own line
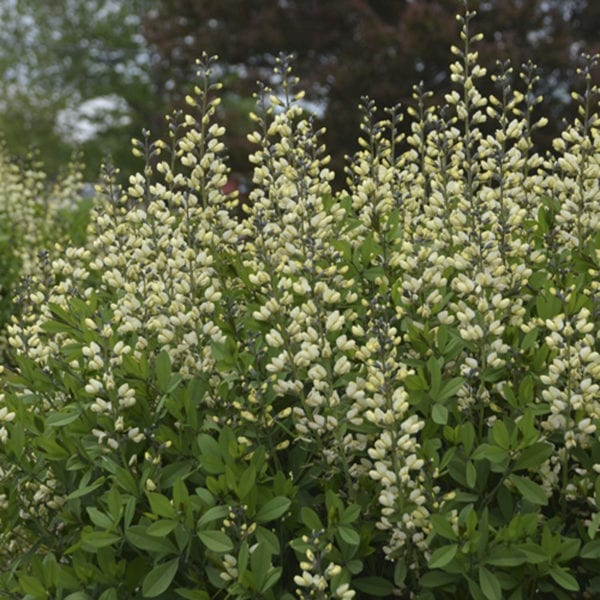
390, 391
35, 215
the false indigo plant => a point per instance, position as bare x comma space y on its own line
391, 391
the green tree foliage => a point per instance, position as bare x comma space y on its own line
74, 73
377, 48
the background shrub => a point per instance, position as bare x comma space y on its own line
35, 214
389, 391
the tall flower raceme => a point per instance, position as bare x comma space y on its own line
387, 391
572, 222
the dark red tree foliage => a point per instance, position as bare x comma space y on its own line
349, 48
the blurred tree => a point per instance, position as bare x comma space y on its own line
380, 48
93, 73
75, 73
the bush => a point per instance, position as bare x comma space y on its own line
35, 214
389, 392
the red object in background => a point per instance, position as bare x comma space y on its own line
233, 184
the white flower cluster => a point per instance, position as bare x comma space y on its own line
32, 218
335, 318
315, 579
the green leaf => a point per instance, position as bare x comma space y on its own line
530, 337
533, 456
16, 441
450, 389
442, 556
243, 556
52, 449
509, 395
212, 514
494, 454
470, 474
267, 537
139, 537
273, 509
216, 541
180, 492
591, 550
192, 594
569, 549
500, 435
594, 524
212, 464
125, 480
543, 220
437, 579
210, 454
310, 518
548, 306
174, 382
160, 505
506, 558
442, 337
272, 578
377, 587
94, 540
442, 528
115, 505
260, 561
349, 535
159, 579
475, 590
99, 518
439, 414
62, 418
350, 514
400, 572
51, 326
528, 427
415, 383
129, 511
434, 366
530, 490
87, 489
564, 579
163, 370
161, 528
247, 481
534, 552
490, 586
355, 566
467, 436
526, 390
51, 570
33, 586
197, 388
224, 354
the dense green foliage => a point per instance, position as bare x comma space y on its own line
390, 391
75, 77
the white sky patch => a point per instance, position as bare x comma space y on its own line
84, 122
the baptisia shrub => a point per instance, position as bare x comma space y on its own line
35, 215
390, 391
